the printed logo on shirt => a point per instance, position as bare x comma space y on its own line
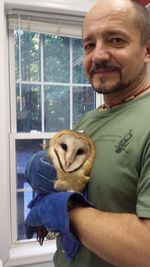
124, 142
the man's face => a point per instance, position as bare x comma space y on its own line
114, 58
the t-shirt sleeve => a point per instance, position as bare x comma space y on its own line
143, 188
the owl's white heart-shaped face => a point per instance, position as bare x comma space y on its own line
70, 152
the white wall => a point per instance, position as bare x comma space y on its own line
65, 6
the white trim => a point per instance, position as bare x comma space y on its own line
32, 135
99, 100
31, 253
42, 83
55, 83
12, 81
4, 130
76, 7
13, 186
71, 83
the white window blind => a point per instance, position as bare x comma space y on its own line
46, 23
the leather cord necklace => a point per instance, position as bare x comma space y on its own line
106, 107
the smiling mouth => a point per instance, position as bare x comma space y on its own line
104, 72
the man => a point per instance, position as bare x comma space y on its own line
116, 231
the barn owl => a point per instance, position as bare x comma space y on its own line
72, 154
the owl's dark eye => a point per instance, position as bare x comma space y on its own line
80, 151
64, 147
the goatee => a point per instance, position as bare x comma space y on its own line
118, 87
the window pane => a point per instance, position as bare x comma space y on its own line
22, 199
28, 108
83, 101
57, 108
30, 56
78, 72
25, 149
56, 59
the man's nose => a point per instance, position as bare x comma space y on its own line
101, 53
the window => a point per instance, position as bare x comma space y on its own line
49, 92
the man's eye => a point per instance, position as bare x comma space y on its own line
88, 46
117, 41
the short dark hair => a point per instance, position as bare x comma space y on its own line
142, 21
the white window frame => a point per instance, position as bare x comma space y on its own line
14, 135
21, 253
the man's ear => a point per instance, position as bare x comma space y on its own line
147, 54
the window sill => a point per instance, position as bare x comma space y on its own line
30, 253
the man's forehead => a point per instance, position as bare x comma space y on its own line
120, 11
104, 7
111, 22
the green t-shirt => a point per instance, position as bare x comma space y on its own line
120, 178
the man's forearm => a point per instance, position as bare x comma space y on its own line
121, 239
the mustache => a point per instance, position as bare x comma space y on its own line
104, 66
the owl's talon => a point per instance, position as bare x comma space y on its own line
41, 234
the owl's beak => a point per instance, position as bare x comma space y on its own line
68, 162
